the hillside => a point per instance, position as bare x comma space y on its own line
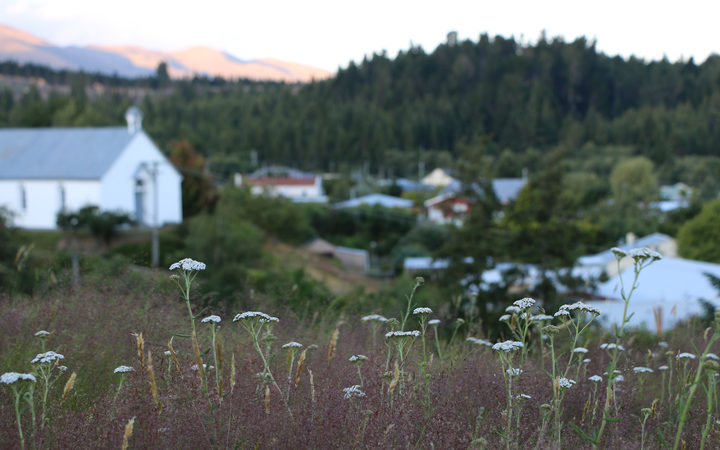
130, 61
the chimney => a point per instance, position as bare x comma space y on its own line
133, 117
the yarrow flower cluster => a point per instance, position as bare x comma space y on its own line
508, 346
399, 334
641, 369
581, 307
562, 313
541, 317
611, 346
375, 317
423, 310
582, 350
255, 315
663, 368
205, 366
595, 378
505, 318
685, 355
292, 344
434, 322
566, 383
47, 357
212, 318
188, 264
644, 253
524, 303
512, 309
353, 391
514, 372
42, 333
12, 377
713, 356
477, 341
357, 358
523, 396
123, 369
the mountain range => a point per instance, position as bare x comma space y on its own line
132, 61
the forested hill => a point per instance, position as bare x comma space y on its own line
516, 101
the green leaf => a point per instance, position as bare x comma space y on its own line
583, 435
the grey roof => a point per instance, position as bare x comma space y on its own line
388, 201
60, 153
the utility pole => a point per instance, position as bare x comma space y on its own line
155, 224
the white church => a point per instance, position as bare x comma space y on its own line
47, 170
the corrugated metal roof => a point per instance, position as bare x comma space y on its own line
60, 153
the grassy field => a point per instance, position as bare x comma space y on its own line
408, 390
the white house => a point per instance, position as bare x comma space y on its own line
438, 177
47, 170
300, 189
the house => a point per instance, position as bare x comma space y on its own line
451, 207
351, 258
298, 189
439, 178
47, 170
669, 291
387, 201
605, 261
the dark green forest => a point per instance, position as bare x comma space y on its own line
516, 102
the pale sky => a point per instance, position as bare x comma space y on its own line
331, 33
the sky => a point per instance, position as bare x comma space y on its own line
331, 33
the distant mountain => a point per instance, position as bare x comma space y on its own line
130, 61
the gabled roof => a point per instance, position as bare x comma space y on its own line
388, 201
60, 153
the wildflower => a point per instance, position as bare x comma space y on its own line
524, 303
123, 369
47, 357
523, 396
358, 358
12, 377
663, 344
587, 360
512, 309
551, 330
188, 264
663, 368
619, 253
434, 322
541, 317
644, 253
504, 318
712, 356
582, 307
62, 368
262, 317
312, 347
292, 344
566, 383
353, 391
562, 313
413, 333
479, 341
167, 353
508, 346
423, 310
641, 369
42, 333
611, 346
619, 378
514, 372
205, 366
582, 350
595, 378
685, 355
212, 318
375, 317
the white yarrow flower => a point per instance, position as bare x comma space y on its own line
663, 368
595, 378
12, 377
512, 309
524, 303
508, 346
42, 333
582, 307
586, 360
47, 357
375, 317
641, 369
292, 344
188, 264
523, 396
398, 334
353, 391
562, 313
434, 322
611, 346
251, 315
685, 355
663, 344
582, 350
541, 317
357, 358
123, 369
423, 310
712, 356
477, 341
212, 318
566, 383
505, 318
514, 372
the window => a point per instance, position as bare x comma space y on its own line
62, 198
23, 198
